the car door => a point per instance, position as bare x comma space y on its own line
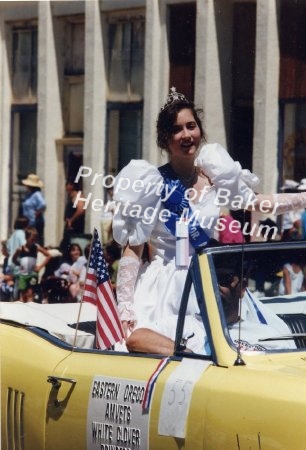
113, 400
96, 402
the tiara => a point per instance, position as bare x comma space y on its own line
174, 96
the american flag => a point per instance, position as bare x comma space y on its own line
98, 290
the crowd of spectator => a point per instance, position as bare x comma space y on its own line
31, 271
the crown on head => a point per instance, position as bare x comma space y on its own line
174, 96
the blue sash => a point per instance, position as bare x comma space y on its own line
177, 204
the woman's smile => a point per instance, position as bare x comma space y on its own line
186, 134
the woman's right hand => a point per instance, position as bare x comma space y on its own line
128, 326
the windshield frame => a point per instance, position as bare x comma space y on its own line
246, 251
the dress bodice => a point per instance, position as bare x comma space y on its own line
140, 210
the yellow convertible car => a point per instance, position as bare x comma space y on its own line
245, 389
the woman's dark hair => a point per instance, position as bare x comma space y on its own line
167, 118
30, 231
73, 246
21, 223
66, 254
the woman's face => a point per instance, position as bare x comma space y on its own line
186, 135
32, 239
74, 253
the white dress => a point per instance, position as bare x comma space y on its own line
160, 285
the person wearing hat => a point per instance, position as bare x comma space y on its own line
34, 204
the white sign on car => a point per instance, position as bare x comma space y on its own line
115, 417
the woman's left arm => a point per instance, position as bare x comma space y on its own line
236, 187
278, 203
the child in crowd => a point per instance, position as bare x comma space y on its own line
17, 238
25, 258
71, 270
6, 277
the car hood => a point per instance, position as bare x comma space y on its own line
291, 364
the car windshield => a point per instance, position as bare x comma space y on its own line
262, 295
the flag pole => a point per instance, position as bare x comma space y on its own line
81, 302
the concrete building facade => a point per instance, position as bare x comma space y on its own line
82, 83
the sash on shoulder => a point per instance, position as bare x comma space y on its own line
178, 205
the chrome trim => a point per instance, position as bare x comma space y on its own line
15, 419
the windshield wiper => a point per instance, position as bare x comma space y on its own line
284, 337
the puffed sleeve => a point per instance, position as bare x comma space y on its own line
227, 174
137, 192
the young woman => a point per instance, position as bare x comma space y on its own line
25, 259
72, 269
198, 180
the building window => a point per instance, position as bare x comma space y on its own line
182, 33
74, 46
23, 152
74, 69
292, 38
293, 115
292, 90
73, 106
243, 76
24, 132
125, 49
126, 39
24, 74
124, 135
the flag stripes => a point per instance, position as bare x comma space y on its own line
98, 291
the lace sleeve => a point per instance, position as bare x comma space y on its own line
284, 203
126, 280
